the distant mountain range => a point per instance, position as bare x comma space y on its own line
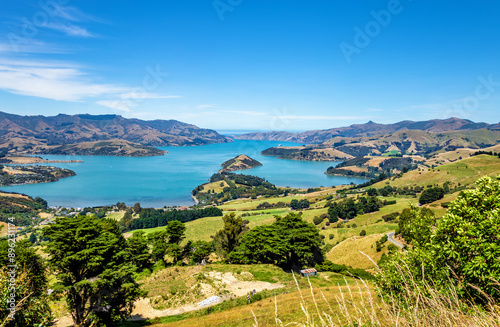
25, 133
367, 130
378, 139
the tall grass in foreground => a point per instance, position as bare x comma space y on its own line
417, 306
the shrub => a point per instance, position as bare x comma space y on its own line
362, 233
392, 248
390, 217
431, 194
445, 205
460, 254
317, 220
380, 243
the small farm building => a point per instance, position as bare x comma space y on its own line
308, 272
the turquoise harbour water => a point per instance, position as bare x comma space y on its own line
168, 180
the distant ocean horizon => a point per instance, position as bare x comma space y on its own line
168, 180
227, 132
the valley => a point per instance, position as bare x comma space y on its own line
355, 243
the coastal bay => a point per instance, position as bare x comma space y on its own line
168, 180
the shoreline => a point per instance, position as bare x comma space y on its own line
27, 160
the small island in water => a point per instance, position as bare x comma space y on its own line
240, 162
15, 175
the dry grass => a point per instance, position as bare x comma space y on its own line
355, 305
348, 252
116, 215
465, 171
14, 195
214, 186
284, 308
360, 308
3, 229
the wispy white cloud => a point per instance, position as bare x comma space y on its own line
206, 106
32, 46
68, 13
245, 112
69, 29
143, 95
116, 105
63, 19
324, 117
130, 100
51, 80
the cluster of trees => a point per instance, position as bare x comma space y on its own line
239, 186
290, 243
95, 267
349, 208
299, 204
267, 205
458, 252
490, 153
165, 245
388, 190
150, 217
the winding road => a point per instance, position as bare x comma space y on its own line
390, 238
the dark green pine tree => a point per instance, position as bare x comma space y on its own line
32, 238
138, 249
93, 269
228, 238
159, 243
175, 230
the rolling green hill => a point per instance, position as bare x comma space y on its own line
416, 142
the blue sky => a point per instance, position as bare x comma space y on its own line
253, 65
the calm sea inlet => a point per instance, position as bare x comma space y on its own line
168, 180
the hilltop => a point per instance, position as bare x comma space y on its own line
22, 133
367, 130
240, 162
